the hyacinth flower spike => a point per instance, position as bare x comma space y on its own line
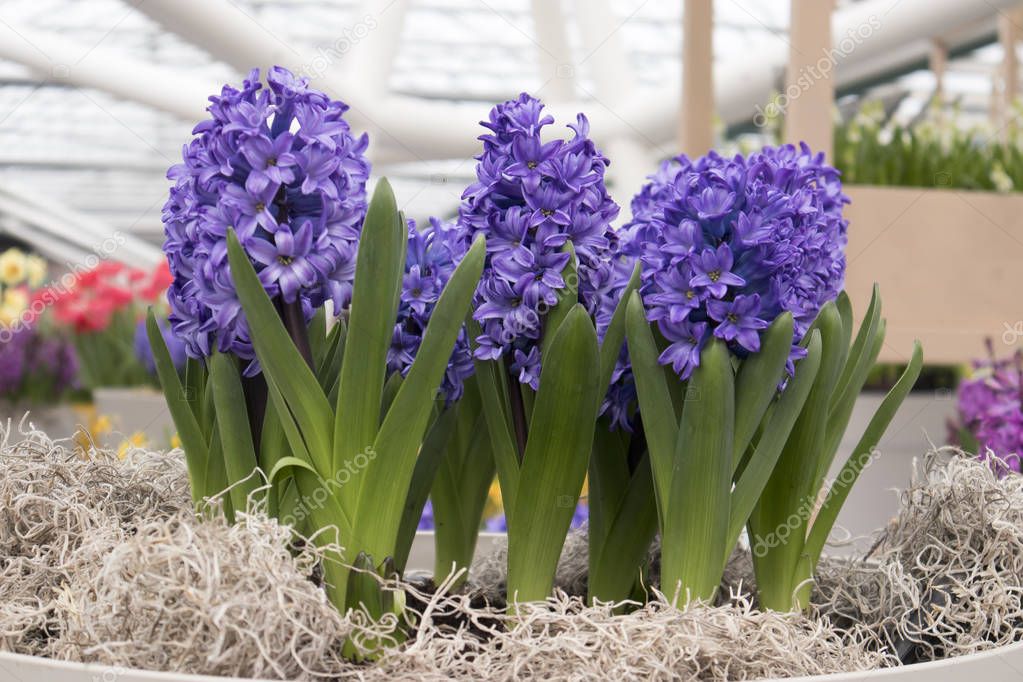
261, 231
742, 267
540, 371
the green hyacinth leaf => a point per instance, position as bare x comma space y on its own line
756, 382
556, 457
861, 455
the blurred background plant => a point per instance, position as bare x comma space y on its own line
934, 150
100, 310
990, 406
37, 365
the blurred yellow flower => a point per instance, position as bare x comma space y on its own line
137, 440
101, 425
175, 441
9, 315
13, 267
35, 268
16, 298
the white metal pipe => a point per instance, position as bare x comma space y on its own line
557, 72
604, 55
83, 231
57, 59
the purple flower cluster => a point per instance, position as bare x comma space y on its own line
727, 245
144, 351
432, 256
531, 198
991, 408
280, 166
36, 367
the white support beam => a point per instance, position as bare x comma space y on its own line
605, 56
368, 44
50, 221
58, 60
557, 72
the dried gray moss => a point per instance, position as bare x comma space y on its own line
104, 560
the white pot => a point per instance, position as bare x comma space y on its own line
134, 410
999, 665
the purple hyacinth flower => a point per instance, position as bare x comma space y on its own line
531, 198
712, 270
530, 159
527, 366
687, 341
738, 321
271, 160
289, 261
267, 160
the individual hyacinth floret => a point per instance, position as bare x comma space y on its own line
280, 166
432, 256
728, 244
531, 198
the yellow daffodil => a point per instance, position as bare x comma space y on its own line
175, 441
35, 271
13, 267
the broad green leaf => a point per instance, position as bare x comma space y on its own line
317, 333
615, 566
778, 425
858, 358
180, 404
791, 490
461, 487
861, 455
437, 441
554, 465
756, 382
374, 307
609, 478
281, 361
233, 425
568, 296
614, 335
695, 528
492, 397
215, 473
387, 478
285, 463
655, 401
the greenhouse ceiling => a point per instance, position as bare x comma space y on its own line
88, 139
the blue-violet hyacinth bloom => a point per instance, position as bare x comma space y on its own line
532, 197
280, 166
728, 244
433, 253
